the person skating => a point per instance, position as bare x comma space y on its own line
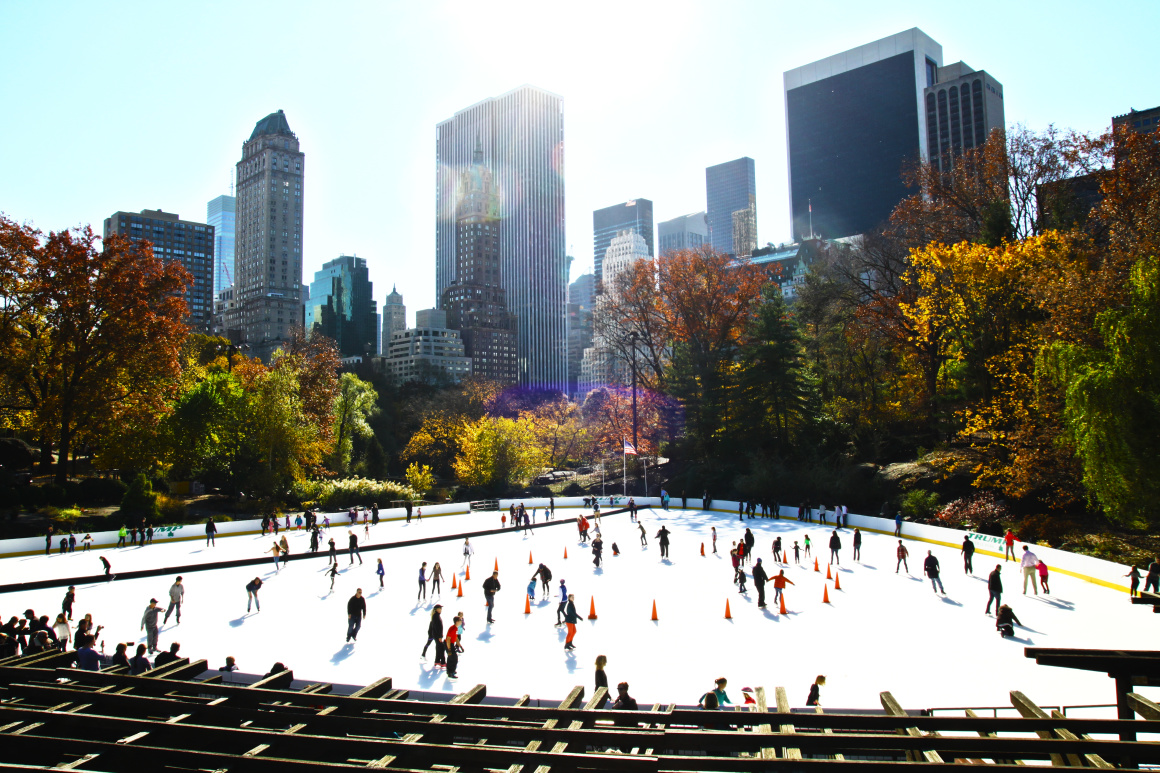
815, 691
994, 588
779, 584
332, 571
167, 657
252, 588
835, 547
1134, 574
66, 606
1152, 581
857, 544
87, 543
436, 579
968, 552
176, 598
644, 536
285, 550
1009, 542
1005, 621
468, 552
663, 539
930, 569
712, 531
356, 610
1041, 567
597, 549
108, 568
545, 575
210, 533
491, 586
563, 606
276, 551
149, 624
352, 548
759, 580
739, 571
806, 544
750, 541
380, 571
901, 553
332, 555
422, 582
797, 553
777, 549
898, 524
451, 647
571, 618
1028, 564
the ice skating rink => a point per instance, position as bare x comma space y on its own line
881, 631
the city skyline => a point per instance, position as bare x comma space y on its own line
378, 204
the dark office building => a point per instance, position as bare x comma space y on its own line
731, 188
852, 121
635, 215
341, 306
188, 242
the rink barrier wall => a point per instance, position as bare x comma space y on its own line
1097, 571
56, 582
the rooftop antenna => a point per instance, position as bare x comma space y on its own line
810, 204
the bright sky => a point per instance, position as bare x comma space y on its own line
125, 105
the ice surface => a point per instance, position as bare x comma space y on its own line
881, 631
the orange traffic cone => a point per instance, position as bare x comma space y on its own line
828, 575
728, 614
702, 548
592, 609
654, 617
453, 585
783, 605
529, 557
527, 605
816, 569
826, 594
837, 581
565, 552
460, 590
467, 574
497, 564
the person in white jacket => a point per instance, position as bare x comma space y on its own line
1029, 563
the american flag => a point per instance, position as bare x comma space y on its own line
628, 449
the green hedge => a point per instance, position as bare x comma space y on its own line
342, 494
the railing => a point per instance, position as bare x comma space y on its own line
996, 709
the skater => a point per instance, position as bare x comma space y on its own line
570, 619
759, 580
806, 541
491, 586
333, 572
1028, 563
815, 691
1152, 581
835, 547
276, 550
545, 575
436, 578
968, 553
601, 678
1009, 541
380, 571
1134, 574
210, 533
995, 588
597, 550
644, 537
468, 552
1005, 621
930, 569
252, 588
713, 531
149, 624
750, 540
901, 552
898, 524
352, 548
1042, 568
531, 589
87, 543
663, 538
176, 597
857, 544
563, 604
67, 604
435, 634
356, 610
108, 569
333, 554
797, 553
735, 559
777, 549
779, 583
285, 550
451, 647
122, 534
422, 594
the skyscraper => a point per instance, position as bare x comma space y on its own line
475, 303
521, 138
687, 232
221, 213
635, 215
852, 121
962, 107
394, 318
730, 187
268, 253
187, 242
342, 306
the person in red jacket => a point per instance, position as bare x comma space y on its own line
779, 585
1009, 539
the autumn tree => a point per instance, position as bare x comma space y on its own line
91, 335
498, 452
353, 406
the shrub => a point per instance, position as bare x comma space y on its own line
1045, 529
341, 494
98, 492
139, 500
982, 513
64, 517
919, 505
171, 509
573, 489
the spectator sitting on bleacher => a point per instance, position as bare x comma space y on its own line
86, 657
7, 646
38, 644
278, 668
139, 664
624, 701
167, 657
120, 657
231, 664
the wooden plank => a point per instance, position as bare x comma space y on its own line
829, 731
318, 688
989, 734
893, 708
77, 762
599, 698
767, 752
1027, 708
474, 695
375, 689
571, 700
785, 728
1144, 707
278, 681
1095, 760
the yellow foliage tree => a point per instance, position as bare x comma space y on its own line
497, 452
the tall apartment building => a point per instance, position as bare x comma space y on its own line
962, 107
687, 232
268, 247
730, 188
635, 215
394, 317
221, 213
427, 352
599, 363
476, 303
852, 121
188, 242
342, 306
521, 138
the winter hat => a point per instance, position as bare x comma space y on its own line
152, 601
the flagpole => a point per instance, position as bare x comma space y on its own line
624, 471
